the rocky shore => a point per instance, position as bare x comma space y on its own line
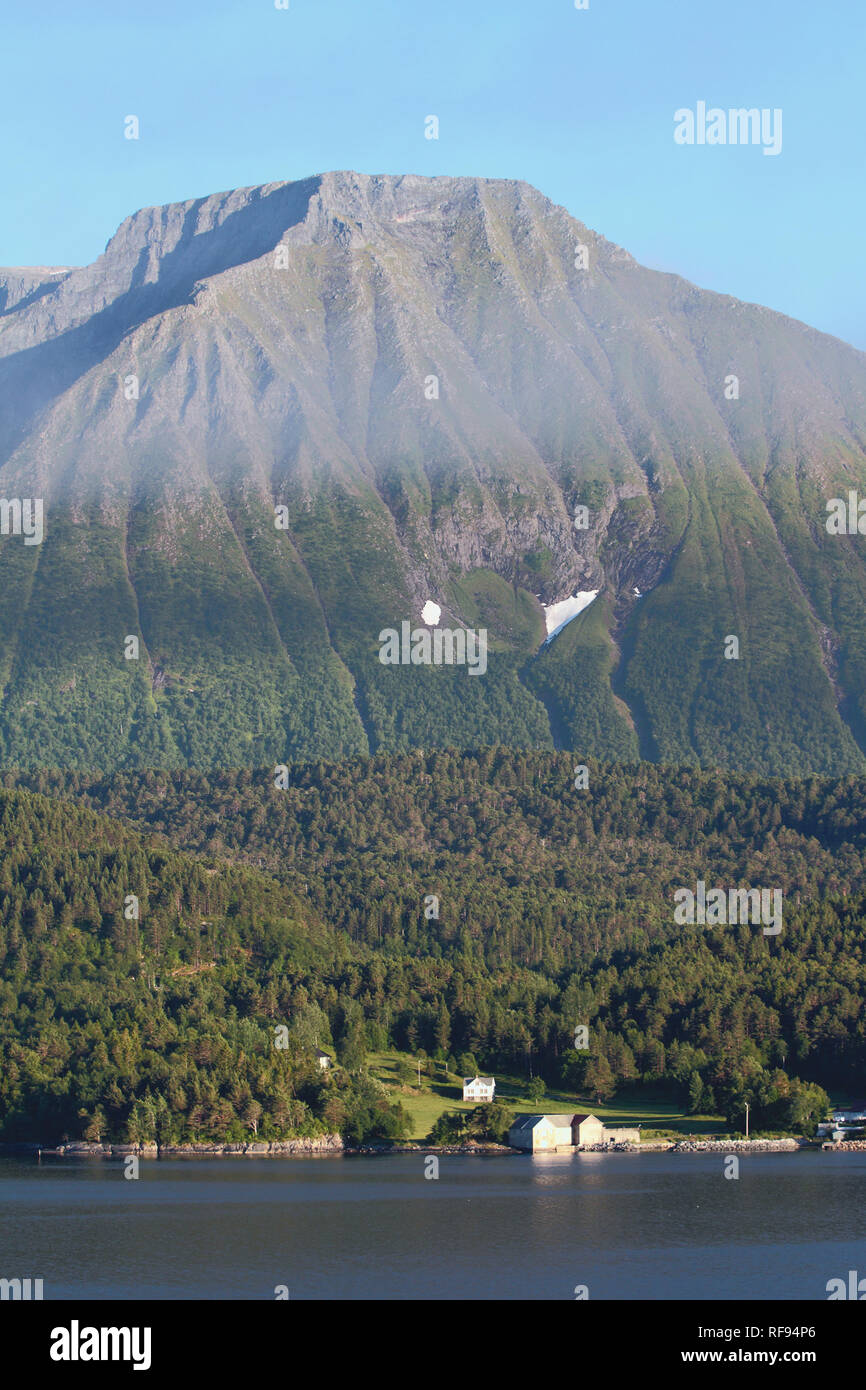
284, 1148
470, 1147
333, 1144
276, 1148
751, 1146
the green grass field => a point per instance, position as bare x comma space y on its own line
441, 1091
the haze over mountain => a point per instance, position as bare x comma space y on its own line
277, 347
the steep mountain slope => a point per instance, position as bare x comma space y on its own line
431, 376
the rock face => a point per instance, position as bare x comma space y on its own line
22, 287
430, 377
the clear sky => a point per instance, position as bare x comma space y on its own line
579, 102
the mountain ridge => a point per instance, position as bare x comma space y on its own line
425, 375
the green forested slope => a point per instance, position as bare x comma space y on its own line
306, 907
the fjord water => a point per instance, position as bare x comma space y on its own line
656, 1226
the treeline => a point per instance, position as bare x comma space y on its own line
452, 904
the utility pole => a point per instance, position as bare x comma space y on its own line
747, 1119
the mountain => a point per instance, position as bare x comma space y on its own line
431, 377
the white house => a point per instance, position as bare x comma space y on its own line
323, 1059
478, 1087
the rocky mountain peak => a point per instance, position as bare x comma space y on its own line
448, 391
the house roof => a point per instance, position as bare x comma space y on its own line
485, 1080
579, 1119
320, 1053
530, 1121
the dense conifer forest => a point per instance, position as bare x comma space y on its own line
464, 905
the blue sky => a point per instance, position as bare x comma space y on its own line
579, 103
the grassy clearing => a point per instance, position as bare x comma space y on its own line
441, 1091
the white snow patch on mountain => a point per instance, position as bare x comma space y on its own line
558, 615
430, 613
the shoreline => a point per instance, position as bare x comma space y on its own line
332, 1145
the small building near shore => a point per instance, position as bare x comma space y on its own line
622, 1134
541, 1133
551, 1133
546, 1133
586, 1130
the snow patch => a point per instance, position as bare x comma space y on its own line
558, 615
431, 613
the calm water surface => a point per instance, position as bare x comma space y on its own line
628, 1226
